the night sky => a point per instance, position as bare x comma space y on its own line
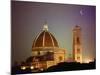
27, 20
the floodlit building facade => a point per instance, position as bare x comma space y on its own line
46, 51
77, 44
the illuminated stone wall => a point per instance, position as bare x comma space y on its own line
77, 44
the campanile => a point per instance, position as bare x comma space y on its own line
77, 44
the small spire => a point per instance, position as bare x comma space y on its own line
45, 26
77, 27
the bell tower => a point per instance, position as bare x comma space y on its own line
77, 44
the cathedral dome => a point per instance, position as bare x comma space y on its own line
45, 39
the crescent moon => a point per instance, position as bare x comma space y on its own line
81, 12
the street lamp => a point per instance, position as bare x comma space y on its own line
23, 67
32, 67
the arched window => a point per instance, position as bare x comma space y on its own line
60, 58
78, 50
39, 53
78, 58
78, 40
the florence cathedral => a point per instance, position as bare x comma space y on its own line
46, 51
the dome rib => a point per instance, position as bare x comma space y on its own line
45, 39
48, 40
55, 43
34, 42
51, 39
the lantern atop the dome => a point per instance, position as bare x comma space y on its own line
45, 27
